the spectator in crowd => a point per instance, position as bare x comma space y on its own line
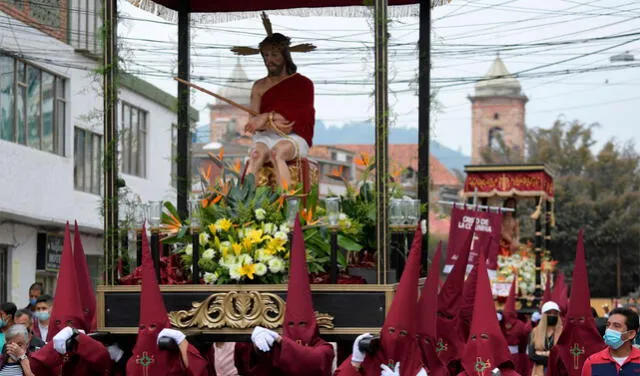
24, 317
619, 357
44, 305
14, 360
35, 291
544, 336
7, 311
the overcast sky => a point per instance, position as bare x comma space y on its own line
561, 48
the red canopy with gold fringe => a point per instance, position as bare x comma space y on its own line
508, 180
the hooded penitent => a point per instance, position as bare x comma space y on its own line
87, 298
147, 359
465, 312
449, 301
398, 336
580, 337
428, 339
68, 308
486, 348
299, 319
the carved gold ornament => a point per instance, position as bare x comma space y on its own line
238, 310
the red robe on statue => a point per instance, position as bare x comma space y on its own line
293, 99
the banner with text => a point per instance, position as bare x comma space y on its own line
488, 228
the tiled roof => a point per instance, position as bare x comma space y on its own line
405, 156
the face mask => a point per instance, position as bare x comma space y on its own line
552, 320
33, 301
2, 323
613, 339
42, 315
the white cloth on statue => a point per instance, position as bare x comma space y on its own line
271, 138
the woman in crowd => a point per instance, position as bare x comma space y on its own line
544, 336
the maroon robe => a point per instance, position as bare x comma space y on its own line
287, 358
90, 357
516, 332
293, 99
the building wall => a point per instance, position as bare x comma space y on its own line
228, 113
37, 187
511, 119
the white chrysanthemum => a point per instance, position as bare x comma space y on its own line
269, 228
342, 216
261, 269
210, 278
245, 259
204, 238
262, 255
208, 254
188, 250
260, 214
227, 261
234, 271
284, 228
281, 235
276, 265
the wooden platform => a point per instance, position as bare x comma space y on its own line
229, 312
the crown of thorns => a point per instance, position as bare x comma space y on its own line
283, 43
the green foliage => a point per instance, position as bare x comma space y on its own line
595, 191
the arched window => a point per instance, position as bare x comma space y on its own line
495, 136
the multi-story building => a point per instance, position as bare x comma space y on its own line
51, 142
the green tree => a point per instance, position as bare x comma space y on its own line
599, 192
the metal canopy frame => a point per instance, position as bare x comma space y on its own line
183, 172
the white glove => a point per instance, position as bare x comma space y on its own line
386, 371
263, 338
176, 335
422, 372
115, 352
60, 340
357, 355
499, 316
536, 316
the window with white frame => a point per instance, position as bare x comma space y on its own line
32, 106
87, 171
133, 140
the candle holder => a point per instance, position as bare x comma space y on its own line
195, 208
333, 210
396, 212
293, 207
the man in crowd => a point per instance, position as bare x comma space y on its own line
7, 312
35, 291
24, 317
44, 305
619, 357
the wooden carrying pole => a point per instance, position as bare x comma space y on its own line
217, 96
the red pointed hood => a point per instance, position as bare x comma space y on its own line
450, 335
68, 310
513, 328
547, 290
559, 294
580, 337
486, 348
465, 311
299, 318
147, 359
397, 339
428, 311
450, 295
87, 296
509, 312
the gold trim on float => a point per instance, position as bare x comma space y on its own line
499, 168
229, 331
246, 288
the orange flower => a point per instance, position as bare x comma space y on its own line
307, 215
286, 192
337, 172
363, 160
237, 166
207, 202
206, 175
221, 154
173, 226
